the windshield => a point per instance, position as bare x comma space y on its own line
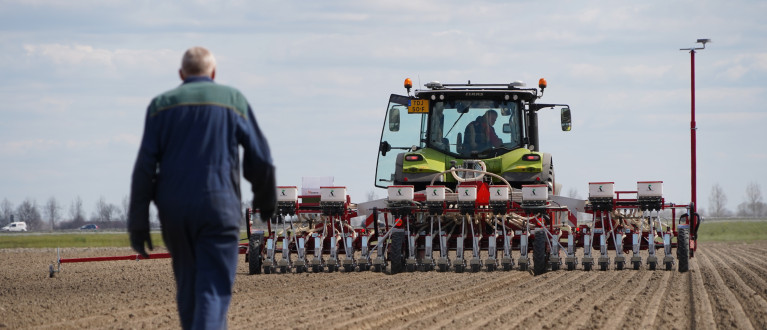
470, 127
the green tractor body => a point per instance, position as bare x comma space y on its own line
488, 127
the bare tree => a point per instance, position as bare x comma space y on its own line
28, 212
104, 212
6, 212
76, 211
754, 203
52, 211
718, 202
372, 195
125, 208
573, 193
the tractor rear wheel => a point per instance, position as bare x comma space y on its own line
539, 252
254, 255
396, 255
683, 249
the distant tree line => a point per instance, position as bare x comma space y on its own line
752, 207
52, 215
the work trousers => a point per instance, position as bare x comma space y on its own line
202, 239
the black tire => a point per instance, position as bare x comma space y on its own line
603, 266
267, 270
491, 268
348, 268
540, 257
442, 267
619, 265
476, 268
652, 265
410, 268
523, 267
396, 253
506, 267
683, 249
284, 269
636, 265
316, 269
669, 266
254, 255
588, 266
332, 268
459, 268
377, 268
554, 267
571, 266
300, 269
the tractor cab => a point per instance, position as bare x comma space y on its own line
488, 127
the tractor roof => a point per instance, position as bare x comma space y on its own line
478, 90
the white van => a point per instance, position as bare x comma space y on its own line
15, 226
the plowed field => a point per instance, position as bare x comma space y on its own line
726, 288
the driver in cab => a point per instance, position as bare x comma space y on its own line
480, 133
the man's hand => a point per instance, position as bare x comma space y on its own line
137, 241
266, 214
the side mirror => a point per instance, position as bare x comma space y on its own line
384, 147
566, 120
507, 128
394, 119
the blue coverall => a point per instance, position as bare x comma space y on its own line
188, 164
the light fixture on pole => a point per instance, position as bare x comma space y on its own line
693, 179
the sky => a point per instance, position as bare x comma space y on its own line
77, 76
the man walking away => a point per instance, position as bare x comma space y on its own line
188, 165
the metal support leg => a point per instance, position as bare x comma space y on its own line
524, 261
475, 263
317, 263
428, 261
460, 262
411, 263
588, 259
636, 258
571, 260
300, 263
269, 260
507, 263
604, 259
668, 259
620, 258
491, 263
443, 262
652, 259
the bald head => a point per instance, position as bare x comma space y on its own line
198, 61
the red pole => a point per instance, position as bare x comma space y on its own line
693, 128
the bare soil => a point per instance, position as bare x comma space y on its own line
725, 288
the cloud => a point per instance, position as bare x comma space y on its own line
15, 148
69, 58
742, 65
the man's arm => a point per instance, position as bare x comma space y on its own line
143, 179
257, 166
